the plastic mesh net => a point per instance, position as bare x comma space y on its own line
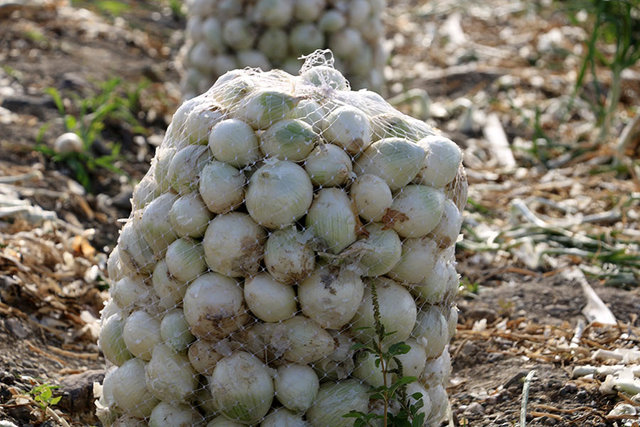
224, 35
284, 221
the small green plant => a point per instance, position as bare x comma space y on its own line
86, 117
43, 395
394, 394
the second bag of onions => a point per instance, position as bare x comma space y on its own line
281, 216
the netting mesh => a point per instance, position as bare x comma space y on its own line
282, 221
224, 35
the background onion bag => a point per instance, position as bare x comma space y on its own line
274, 211
223, 35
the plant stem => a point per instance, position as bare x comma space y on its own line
612, 100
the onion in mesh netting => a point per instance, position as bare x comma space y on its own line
270, 239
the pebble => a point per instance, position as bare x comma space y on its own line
474, 408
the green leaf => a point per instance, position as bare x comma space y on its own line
57, 99
398, 348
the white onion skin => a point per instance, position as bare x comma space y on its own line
332, 21
396, 160
372, 197
441, 163
114, 266
163, 158
337, 399
200, 120
212, 32
178, 415
144, 192
185, 259
130, 392
452, 321
213, 306
169, 376
397, 312
417, 209
274, 44
308, 10
174, 330
296, 386
323, 75
268, 299
221, 187
433, 287
111, 341
279, 194
377, 253
330, 296
169, 290
332, 219
189, 216
447, 231
339, 364
242, 387
310, 112
366, 370
221, 421
439, 403
203, 356
234, 142
136, 256
129, 421
288, 256
234, 245
307, 341
416, 387
328, 165
418, 258
289, 139
281, 417
431, 330
141, 333
438, 370
263, 108
305, 38
274, 13
349, 128
253, 59
130, 292
237, 34
414, 361
157, 231
185, 167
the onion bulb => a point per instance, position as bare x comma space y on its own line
339, 364
234, 142
130, 292
306, 341
213, 306
334, 400
288, 255
201, 119
157, 231
189, 216
417, 392
441, 163
114, 266
274, 44
273, 13
371, 372
332, 220
308, 10
323, 75
281, 417
289, 139
268, 299
431, 330
221, 187
416, 210
397, 312
164, 156
167, 288
203, 356
388, 125
377, 253
328, 166
233, 245
395, 160
129, 389
372, 197
438, 370
136, 256
349, 128
144, 192
452, 321
141, 333
129, 421
331, 296
332, 21
439, 403
242, 387
434, 285
185, 259
296, 386
265, 107
169, 376
305, 38
171, 414
174, 330
417, 261
310, 112
185, 168
447, 231
111, 342
238, 34
279, 194
221, 421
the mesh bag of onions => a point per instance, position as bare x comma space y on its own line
223, 35
288, 261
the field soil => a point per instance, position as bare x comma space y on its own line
549, 223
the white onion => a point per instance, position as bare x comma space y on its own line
366, 370
305, 38
328, 165
413, 389
332, 21
281, 417
417, 210
362, 63
232, 85
279, 194
289, 139
169, 376
273, 13
213, 306
141, 333
203, 356
431, 330
310, 112
189, 216
372, 197
221, 421
238, 34
331, 296
332, 220
392, 125
339, 364
438, 370
253, 59
414, 360
67, 143
136, 256
418, 258
242, 387
185, 259
212, 32
395, 160
168, 414
221, 187
129, 292
233, 245
306, 341
349, 128
167, 288
111, 342
199, 122
439, 403
129, 421
288, 255
308, 10
164, 156
335, 400
447, 231
205, 403
185, 167
359, 10
129, 390
441, 163
458, 189
434, 285
346, 42
296, 386
174, 330
376, 254
322, 76
452, 321
114, 266
397, 312
146, 190
274, 44
265, 107
268, 299
157, 231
